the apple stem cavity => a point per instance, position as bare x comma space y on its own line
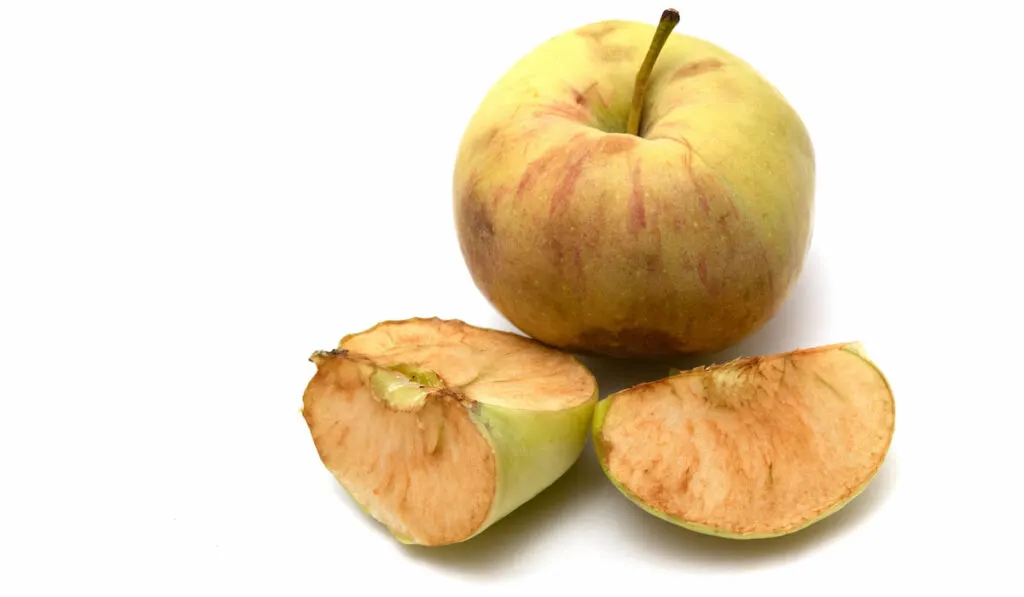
668, 22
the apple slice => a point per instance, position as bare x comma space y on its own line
438, 429
757, 447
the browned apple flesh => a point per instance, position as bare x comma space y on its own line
756, 447
390, 413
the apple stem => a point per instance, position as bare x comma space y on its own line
668, 21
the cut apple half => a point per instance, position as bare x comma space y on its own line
438, 429
758, 447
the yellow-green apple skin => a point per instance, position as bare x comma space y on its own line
684, 238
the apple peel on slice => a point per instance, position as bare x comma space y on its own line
755, 448
438, 429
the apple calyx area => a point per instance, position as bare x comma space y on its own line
402, 392
669, 19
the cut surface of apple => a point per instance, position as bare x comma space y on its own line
438, 429
755, 448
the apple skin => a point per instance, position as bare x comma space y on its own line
685, 238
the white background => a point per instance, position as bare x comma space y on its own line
197, 194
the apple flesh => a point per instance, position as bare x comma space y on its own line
686, 237
438, 429
756, 448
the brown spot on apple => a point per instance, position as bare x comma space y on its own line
604, 51
486, 139
596, 32
567, 258
694, 69
590, 97
653, 263
687, 156
627, 342
476, 227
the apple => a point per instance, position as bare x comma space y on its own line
438, 429
625, 190
756, 448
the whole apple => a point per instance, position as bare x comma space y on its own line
682, 236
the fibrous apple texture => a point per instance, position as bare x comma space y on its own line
438, 429
685, 237
755, 448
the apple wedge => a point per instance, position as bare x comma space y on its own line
754, 448
438, 429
